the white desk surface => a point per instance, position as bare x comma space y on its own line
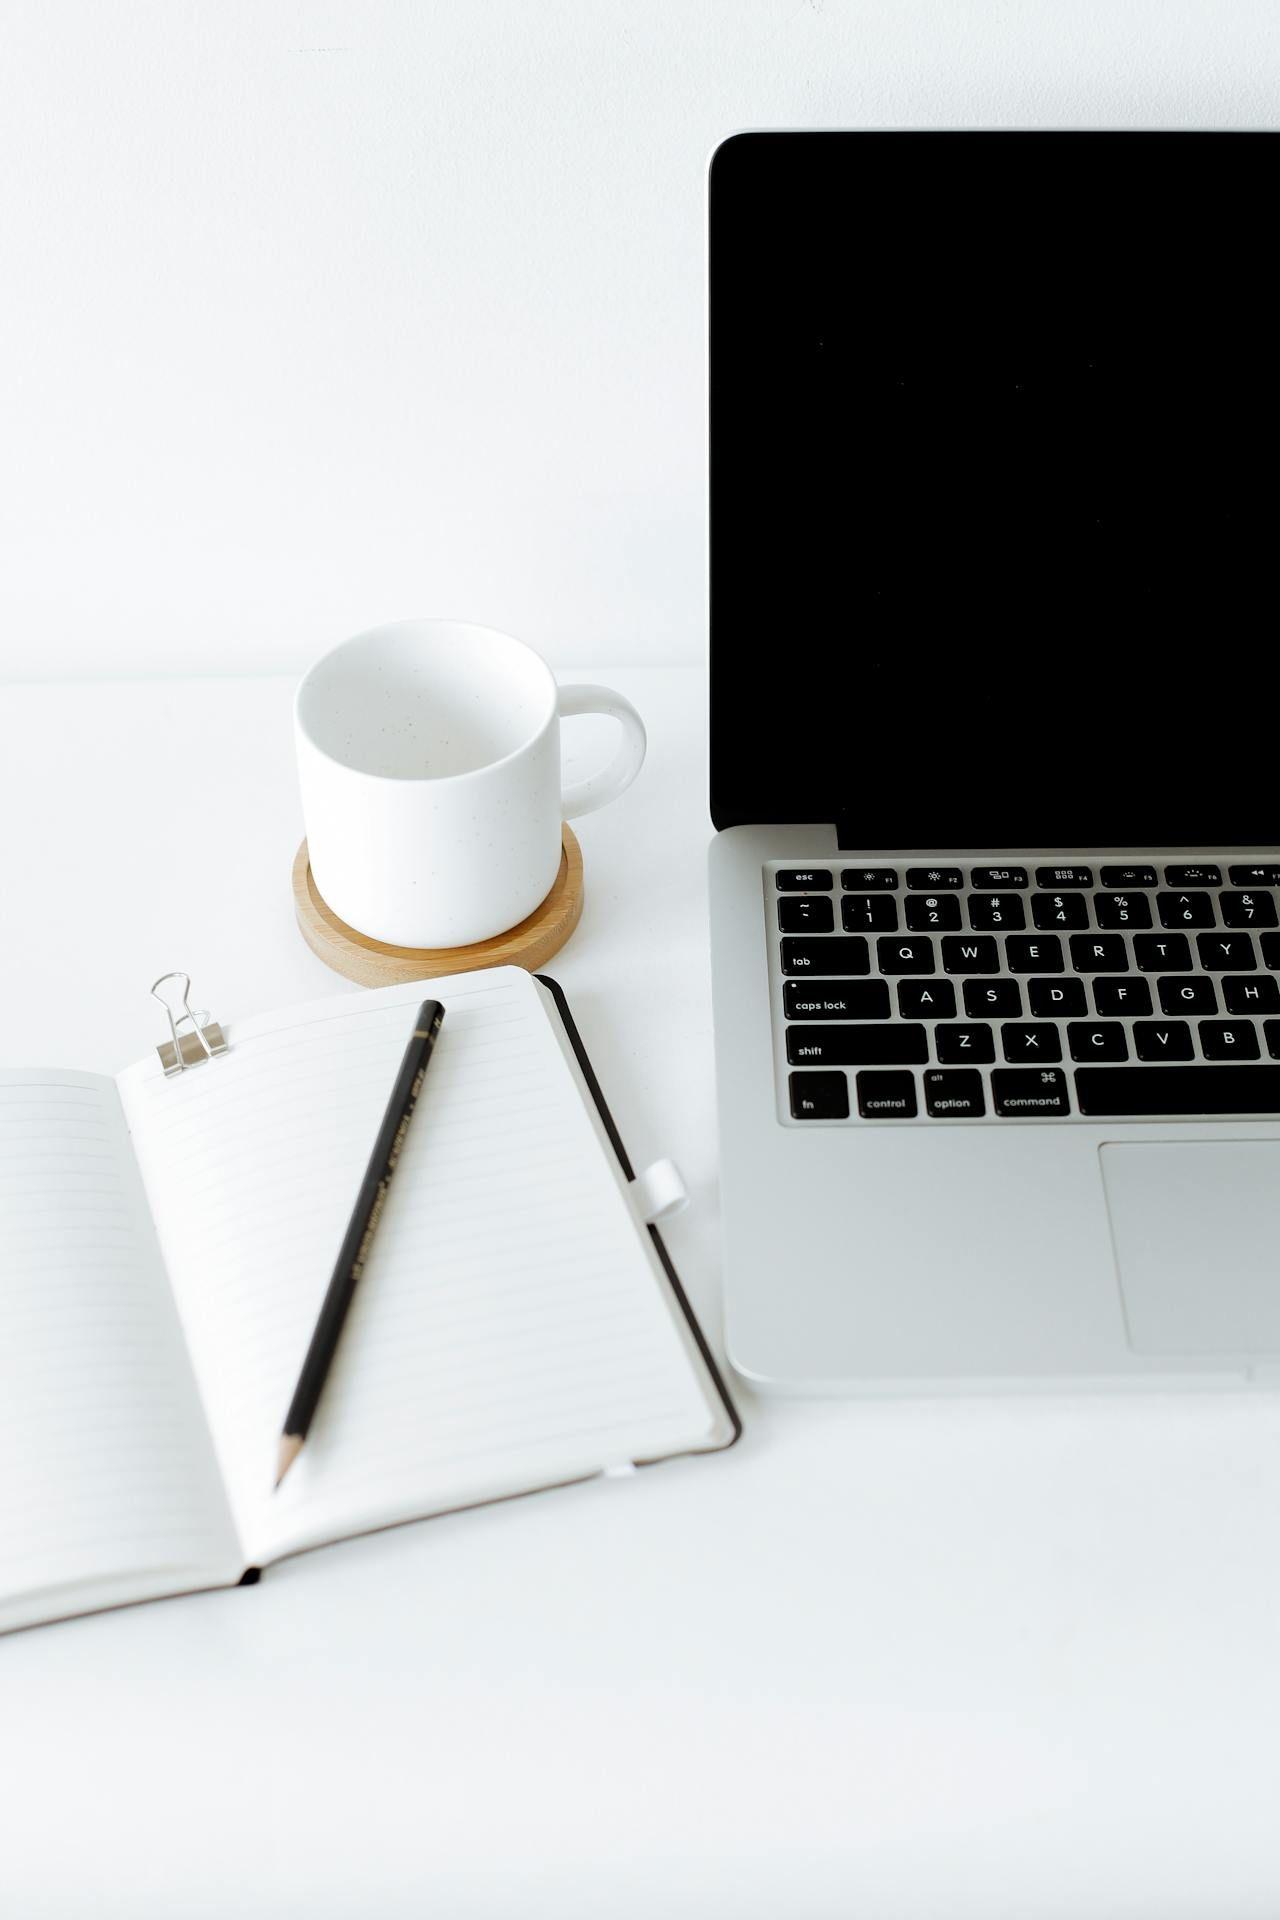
988, 1658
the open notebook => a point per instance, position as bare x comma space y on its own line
168, 1242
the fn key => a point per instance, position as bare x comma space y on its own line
819, 1096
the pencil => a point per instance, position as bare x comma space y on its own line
354, 1251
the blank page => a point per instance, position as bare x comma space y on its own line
510, 1329
108, 1487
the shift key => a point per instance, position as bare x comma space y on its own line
873, 1046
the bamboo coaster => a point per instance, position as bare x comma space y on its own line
375, 964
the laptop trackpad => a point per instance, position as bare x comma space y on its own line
1196, 1228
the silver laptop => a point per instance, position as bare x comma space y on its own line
994, 679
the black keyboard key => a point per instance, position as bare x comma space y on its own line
856, 1046
1123, 910
803, 879
1162, 1040
1188, 996
926, 1000
1064, 876
825, 956
1185, 909
1099, 953
1030, 1094
868, 879
1130, 877
1271, 1028
819, 1096
841, 1000
964, 1045
1034, 953
1192, 876
1226, 952
800, 914
934, 879
1247, 909
1168, 1090
992, 999
1271, 949
905, 956
1259, 995
1121, 997
1027, 1040
971, 955
933, 913
1065, 910
954, 1093
868, 913
996, 912
1267, 874
997, 878
1229, 1040
1057, 999
1097, 1040
1162, 952
887, 1096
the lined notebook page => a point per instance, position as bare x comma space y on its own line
509, 1330
108, 1487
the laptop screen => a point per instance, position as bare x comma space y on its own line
995, 435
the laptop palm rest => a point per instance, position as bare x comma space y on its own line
1196, 1230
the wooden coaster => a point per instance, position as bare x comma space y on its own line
375, 964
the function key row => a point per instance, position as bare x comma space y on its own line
1014, 879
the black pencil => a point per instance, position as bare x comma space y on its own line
358, 1239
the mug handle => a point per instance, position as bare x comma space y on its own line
584, 796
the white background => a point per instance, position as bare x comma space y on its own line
313, 315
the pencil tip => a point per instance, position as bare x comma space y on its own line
290, 1448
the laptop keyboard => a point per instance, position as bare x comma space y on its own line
1149, 989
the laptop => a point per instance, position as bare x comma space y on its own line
995, 891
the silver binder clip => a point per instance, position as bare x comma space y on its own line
194, 1036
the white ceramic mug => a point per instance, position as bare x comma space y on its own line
429, 757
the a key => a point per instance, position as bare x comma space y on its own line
1064, 876
1034, 953
1162, 1040
926, 999
1162, 952
1259, 995
992, 999
996, 879
819, 1096
1129, 877
934, 879
825, 956
1185, 909
1247, 909
1188, 996
972, 955
1123, 910
1056, 999
996, 912
1097, 1040
869, 913
1026, 1040
965, 1045
1271, 1029
1192, 876
932, 912
865, 879
855, 1046
1113, 997
887, 1096
803, 879
1099, 953
954, 1093
1066, 910
841, 1000
1105, 1091
1226, 952
904, 956
802, 914
1271, 949
1229, 1040
1267, 874
1022, 1094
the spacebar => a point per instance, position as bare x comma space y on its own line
1113, 1090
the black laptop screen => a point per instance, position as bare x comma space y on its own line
995, 436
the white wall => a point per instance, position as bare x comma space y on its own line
317, 314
